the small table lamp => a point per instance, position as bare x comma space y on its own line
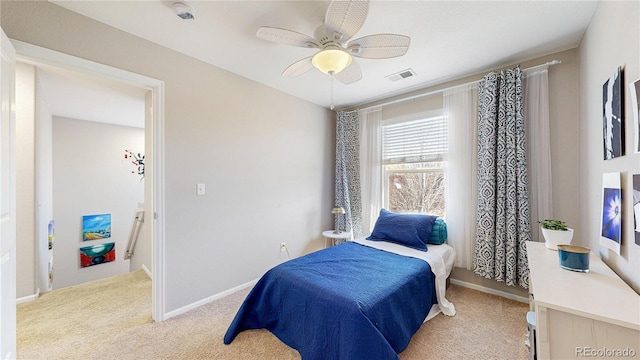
337, 211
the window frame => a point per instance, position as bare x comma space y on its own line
385, 172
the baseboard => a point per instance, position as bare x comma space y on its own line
490, 291
147, 271
26, 299
204, 301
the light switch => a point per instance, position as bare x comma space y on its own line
200, 189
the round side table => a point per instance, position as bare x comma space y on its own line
336, 238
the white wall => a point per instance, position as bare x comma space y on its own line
142, 255
267, 158
612, 40
44, 186
91, 176
25, 181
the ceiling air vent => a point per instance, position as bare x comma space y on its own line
401, 75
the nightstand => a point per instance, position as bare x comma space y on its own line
336, 238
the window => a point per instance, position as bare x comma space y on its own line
413, 160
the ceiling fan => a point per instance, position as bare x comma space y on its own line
342, 21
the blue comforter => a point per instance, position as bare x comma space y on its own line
349, 301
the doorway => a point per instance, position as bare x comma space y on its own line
83, 133
153, 147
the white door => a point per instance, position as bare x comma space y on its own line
7, 201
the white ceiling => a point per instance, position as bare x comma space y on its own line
449, 39
87, 97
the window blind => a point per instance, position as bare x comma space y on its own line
421, 140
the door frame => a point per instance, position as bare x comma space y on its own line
8, 199
32, 53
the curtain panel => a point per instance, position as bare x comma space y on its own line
503, 223
370, 167
347, 187
536, 116
460, 109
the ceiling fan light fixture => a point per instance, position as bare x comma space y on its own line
331, 60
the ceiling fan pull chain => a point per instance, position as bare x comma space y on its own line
331, 73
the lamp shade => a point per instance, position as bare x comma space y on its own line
331, 60
337, 210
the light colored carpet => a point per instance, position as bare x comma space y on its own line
110, 319
76, 321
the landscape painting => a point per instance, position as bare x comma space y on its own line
612, 116
97, 254
611, 222
95, 227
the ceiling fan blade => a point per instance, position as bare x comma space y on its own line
298, 68
379, 46
288, 37
350, 74
344, 18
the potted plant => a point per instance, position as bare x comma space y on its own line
555, 232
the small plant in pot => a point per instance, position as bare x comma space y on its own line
555, 233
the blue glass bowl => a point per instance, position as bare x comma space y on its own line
574, 258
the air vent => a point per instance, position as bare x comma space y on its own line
401, 75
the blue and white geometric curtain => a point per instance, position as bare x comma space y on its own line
348, 172
503, 210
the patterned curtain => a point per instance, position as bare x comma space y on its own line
348, 172
503, 210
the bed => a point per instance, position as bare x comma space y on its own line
362, 299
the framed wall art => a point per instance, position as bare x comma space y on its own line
611, 222
613, 116
51, 233
96, 227
97, 254
636, 207
634, 88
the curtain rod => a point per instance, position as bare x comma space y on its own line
547, 64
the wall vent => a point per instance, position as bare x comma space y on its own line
401, 75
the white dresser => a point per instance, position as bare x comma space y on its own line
581, 315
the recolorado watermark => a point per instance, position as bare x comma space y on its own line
586, 351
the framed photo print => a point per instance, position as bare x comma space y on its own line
636, 207
613, 116
611, 222
634, 88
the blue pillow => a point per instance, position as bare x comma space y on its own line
411, 230
438, 232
